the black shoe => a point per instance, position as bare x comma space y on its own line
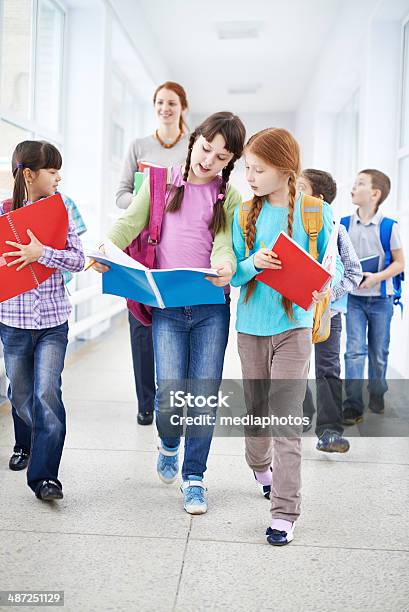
145, 418
376, 404
352, 418
306, 427
19, 460
49, 490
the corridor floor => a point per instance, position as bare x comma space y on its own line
120, 539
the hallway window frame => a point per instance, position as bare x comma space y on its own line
347, 147
403, 143
26, 122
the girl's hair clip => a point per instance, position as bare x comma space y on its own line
220, 196
20, 166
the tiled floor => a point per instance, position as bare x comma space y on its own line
120, 539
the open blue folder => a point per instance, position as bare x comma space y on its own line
370, 264
159, 288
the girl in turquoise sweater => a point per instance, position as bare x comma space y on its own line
274, 335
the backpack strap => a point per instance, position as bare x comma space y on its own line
385, 230
312, 220
157, 178
245, 208
346, 221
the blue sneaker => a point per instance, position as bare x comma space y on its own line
279, 538
194, 493
168, 464
332, 442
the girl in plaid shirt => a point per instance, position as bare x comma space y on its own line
33, 325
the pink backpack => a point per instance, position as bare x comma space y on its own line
7, 204
143, 248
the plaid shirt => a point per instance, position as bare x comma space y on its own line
353, 271
47, 305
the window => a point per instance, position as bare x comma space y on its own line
404, 130
15, 56
11, 135
48, 64
31, 53
403, 151
123, 118
347, 147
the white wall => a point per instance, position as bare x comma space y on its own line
363, 54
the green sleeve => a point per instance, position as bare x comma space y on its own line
134, 219
223, 245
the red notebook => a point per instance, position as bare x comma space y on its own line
300, 274
48, 220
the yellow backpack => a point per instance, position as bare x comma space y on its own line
312, 220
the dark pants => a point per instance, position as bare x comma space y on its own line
143, 364
328, 382
34, 360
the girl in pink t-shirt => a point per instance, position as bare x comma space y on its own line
190, 342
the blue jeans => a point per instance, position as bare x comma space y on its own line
368, 322
34, 360
189, 345
22, 432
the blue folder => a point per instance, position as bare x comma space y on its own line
186, 288
370, 264
160, 288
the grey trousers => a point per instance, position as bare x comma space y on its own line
280, 358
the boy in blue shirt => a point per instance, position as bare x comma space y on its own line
370, 307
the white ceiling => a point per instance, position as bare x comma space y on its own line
281, 60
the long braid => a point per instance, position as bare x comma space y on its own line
252, 217
287, 304
218, 221
176, 200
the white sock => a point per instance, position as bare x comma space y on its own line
281, 525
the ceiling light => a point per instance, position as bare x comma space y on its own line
238, 30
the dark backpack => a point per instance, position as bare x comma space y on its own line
385, 235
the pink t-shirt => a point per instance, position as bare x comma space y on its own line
186, 241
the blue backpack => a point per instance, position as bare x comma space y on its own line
385, 235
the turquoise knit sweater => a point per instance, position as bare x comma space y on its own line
264, 315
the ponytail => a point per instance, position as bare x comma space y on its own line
19, 189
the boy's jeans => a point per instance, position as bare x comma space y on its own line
368, 322
189, 345
34, 360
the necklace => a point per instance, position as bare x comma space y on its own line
169, 145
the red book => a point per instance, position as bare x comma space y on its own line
48, 220
300, 274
